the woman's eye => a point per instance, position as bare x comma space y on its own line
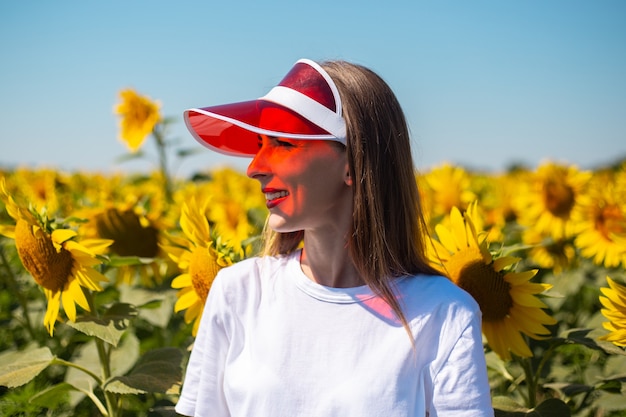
284, 143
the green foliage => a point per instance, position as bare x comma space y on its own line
549, 408
97, 365
124, 357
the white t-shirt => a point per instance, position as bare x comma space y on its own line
273, 343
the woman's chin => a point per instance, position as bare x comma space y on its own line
279, 224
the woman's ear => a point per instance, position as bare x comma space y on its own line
347, 177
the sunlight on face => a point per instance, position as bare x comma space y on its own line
305, 182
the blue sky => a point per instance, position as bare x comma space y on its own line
483, 83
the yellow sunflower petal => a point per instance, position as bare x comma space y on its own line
62, 235
516, 342
7, 230
614, 297
182, 281
196, 326
619, 290
192, 312
194, 224
618, 337
501, 263
186, 298
537, 314
527, 300
458, 228
517, 278
52, 311
615, 316
609, 304
77, 294
97, 246
495, 341
68, 305
528, 325
90, 278
446, 238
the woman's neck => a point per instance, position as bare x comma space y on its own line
327, 261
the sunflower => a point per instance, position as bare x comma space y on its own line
448, 186
547, 253
199, 256
496, 196
57, 263
135, 233
507, 299
139, 116
614, 303
40, 187
602, 221
547, 201
235, 204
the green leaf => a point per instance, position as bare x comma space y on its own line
159, 316
568, 389
52, 395
506, 404
110, 327
164, 411
151, 305
122, 359
117, 386
580, 336
182, 153
20, 367
552, 407
117, 261
610, 348
158, 370
613, 384
121, 313
614, 387
130, 156
498, 365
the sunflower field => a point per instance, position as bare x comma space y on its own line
103, 277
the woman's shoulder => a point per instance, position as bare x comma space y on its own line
434, 292
257, 264
251, 271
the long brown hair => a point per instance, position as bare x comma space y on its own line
388, 236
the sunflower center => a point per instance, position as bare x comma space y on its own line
129, 237
202, 267
610, 220
49, 268
488, 287
558, 197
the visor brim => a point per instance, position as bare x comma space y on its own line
233, 129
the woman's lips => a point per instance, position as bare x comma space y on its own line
274, 197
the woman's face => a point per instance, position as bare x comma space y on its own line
306, 183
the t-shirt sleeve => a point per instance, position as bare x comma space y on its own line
461, 386
202, 393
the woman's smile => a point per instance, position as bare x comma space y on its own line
274, 197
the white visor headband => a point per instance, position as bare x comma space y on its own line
310, 109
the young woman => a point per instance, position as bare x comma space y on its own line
342, 315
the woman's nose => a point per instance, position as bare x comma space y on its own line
259, 165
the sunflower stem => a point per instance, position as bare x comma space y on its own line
11, 282
58, 361
105, 362
544, 359
531, 381
161, 148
